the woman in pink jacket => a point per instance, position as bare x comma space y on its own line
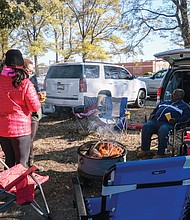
17, 100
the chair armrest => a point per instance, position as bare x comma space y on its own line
79, 199
182, 125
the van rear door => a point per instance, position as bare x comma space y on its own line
175, 57
176, 77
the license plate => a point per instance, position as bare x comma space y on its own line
61, 86
46, 108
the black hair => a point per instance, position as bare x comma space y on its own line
20, 75
180, 93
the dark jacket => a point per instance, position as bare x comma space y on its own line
179, 110
34, 80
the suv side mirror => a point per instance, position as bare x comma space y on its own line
130, 77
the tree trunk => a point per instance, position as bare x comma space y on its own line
4, 33
56, 47
36, 64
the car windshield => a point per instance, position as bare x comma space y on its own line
160, 74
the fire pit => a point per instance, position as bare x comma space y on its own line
95, 157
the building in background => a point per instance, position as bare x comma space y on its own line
139, 68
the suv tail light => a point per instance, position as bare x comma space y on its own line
82, 85
159, 91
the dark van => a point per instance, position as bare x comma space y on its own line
178, 74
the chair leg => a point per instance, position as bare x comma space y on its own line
6, 204
79, 123
4, 164
174, 142
45, 213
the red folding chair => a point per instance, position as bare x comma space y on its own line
21, 184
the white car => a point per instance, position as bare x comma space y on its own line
68, 83
153, 82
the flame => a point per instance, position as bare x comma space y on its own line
107, 150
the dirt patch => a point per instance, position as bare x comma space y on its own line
56, 147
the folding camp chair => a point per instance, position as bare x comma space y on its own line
112, 113
175, 140
104, 114
176, 137
22, 185
82, 113
184, 148
144, 189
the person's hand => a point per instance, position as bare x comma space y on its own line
42, 96
172, 121
151, 117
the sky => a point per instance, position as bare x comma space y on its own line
153, 46
156, 45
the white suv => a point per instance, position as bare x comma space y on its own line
67, 84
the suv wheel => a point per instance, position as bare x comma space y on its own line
141, 98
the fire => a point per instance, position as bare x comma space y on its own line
106, 149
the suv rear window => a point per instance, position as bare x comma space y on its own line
70, 71
73, 71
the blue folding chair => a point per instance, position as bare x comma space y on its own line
145, 189
112, 112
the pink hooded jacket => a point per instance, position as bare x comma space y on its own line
16, 105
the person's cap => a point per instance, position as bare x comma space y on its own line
14, 59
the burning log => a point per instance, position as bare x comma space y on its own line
95, 153
105, 149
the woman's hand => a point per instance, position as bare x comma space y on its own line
42, 96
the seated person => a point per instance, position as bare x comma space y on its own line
158, 123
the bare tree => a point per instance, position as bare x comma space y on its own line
169, 18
